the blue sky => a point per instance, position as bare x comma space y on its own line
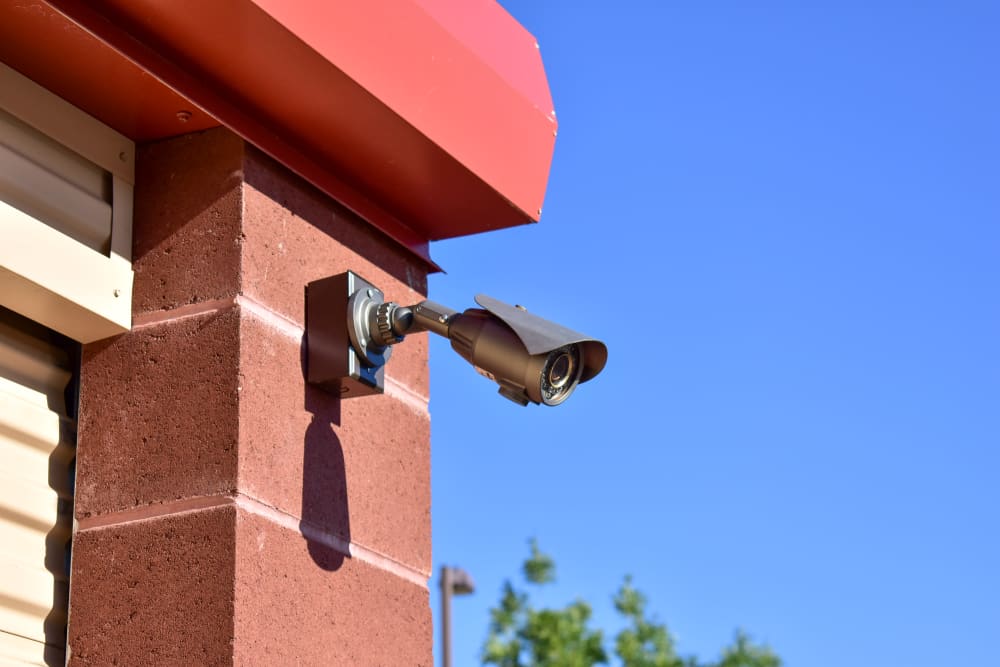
784, 219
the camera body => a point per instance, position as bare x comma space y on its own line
532, 359
350, 330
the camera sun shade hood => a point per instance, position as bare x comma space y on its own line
540, 336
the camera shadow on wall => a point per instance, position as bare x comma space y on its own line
325, 522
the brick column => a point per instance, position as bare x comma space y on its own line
229, 514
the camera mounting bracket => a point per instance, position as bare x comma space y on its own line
342, 355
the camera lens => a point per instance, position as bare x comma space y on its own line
561, 370
559, 375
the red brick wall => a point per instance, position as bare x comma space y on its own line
229, 513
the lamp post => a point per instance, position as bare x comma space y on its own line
454, 581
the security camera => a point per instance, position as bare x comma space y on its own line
350, 331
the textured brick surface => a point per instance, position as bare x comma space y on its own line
295, 235
287, 219
214, 406
155, 592
358, 468
187, 221
159, 414
290, 610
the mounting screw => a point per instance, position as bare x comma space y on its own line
183, 116
117, 292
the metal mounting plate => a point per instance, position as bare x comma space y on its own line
331, 360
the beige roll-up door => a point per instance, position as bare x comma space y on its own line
37, 449
54, 185
66, 184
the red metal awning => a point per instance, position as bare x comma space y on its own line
430, 118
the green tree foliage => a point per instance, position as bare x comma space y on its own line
743, 653
521, 635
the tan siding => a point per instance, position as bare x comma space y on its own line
36, 454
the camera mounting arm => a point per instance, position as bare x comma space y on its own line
394, 322
350, 331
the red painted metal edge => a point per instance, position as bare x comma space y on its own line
463, 73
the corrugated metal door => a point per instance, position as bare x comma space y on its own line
54, 185
37, 450
66, 187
